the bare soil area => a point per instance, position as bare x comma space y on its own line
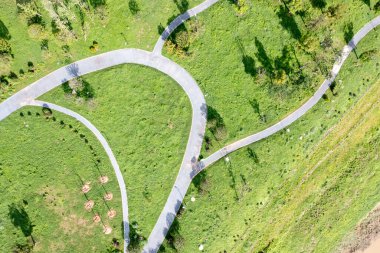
366, 237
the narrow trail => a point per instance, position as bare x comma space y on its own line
107, 148
179, 21
190, 166
28, 95
203, 164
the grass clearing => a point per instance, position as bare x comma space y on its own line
146, 118
250, 78
286, 186
240, 69
44, 163
105, 28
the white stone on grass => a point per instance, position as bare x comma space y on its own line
192, 199
201, 247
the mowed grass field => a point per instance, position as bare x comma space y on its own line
146, 118
44, 164
253, 202
112, 26
231, 55
302, 189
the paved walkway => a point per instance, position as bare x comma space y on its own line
28, 95
178, 21
300, 111
189, 167
103, 141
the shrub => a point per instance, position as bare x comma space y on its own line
5, 47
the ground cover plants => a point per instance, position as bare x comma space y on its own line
252, 76
146, 118
46, 160
304, 188
39, 36
256, 67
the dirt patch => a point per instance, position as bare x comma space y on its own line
107, 230
72, 224
89, 205
103, 179
86, 187
108, 196
111, 214
96, 218
365, 233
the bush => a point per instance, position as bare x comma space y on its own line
5, 47
134, 7
97, 3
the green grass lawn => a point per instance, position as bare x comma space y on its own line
112, 27
230, 56
255, 202
43, 163
288, 193
146, 118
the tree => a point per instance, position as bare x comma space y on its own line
377, 6
318, 3
367, 2
133, 7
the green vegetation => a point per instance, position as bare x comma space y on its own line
277, 54
46, 158
302, 189
273, 59
146, 118
51, 34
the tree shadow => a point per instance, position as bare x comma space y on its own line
160, 29
199, 181
73, 69
134, 236
233, 179
4, 32
377, 6
252, 155
249, 65
182, 5
248, 62
318, 3
288, 22
173, 237
20, 219
263, 58
368, 3
256, 108
215, 122
348, 32
348, 35
133, 7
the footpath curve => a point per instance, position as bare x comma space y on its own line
103, 141
178, 21
203, 164
28, 95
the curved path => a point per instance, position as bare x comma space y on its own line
28, 95
103, 141
189, 167
300, 111
178, 21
